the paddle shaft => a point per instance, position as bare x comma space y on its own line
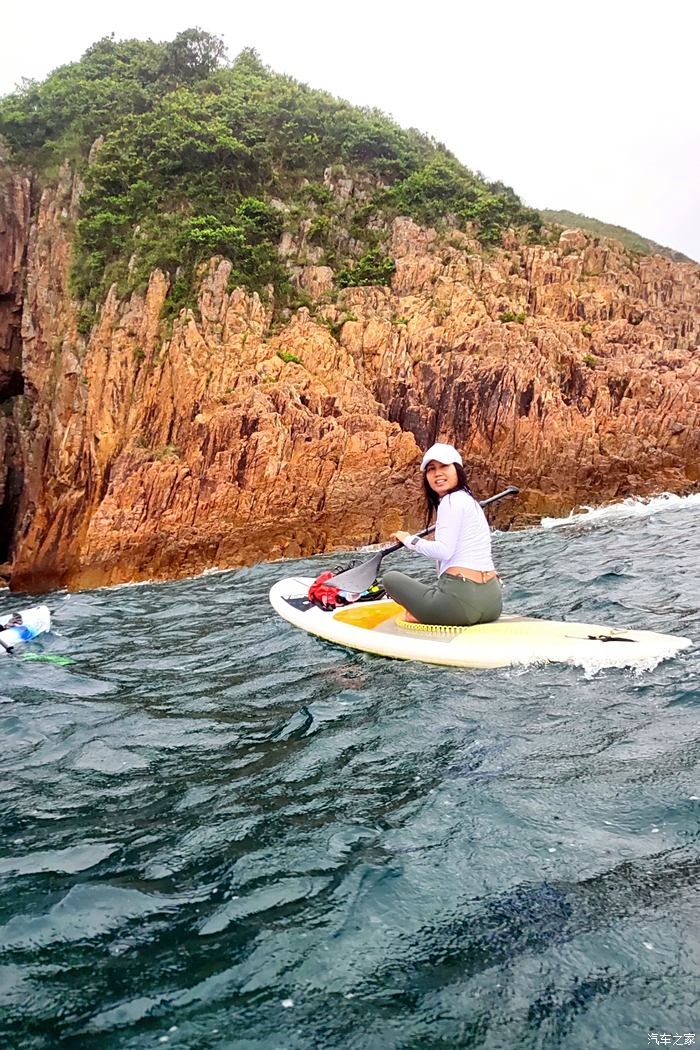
360, 577
510, 491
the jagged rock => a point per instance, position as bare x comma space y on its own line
574, 240
316, 280
15, 213
95, 149
15, 205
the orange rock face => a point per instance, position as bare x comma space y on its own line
569, 371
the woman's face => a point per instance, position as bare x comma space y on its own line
442, 477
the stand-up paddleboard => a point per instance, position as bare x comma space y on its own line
378, 627
34, 621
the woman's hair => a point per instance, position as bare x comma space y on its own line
431, 497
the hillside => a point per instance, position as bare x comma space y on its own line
633, 241
194, 156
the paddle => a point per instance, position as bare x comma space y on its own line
362, 576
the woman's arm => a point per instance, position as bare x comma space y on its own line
447, 529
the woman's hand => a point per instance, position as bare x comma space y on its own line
402, 537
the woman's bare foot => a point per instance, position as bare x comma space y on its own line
409, 617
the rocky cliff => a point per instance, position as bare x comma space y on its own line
15, 207
143, 450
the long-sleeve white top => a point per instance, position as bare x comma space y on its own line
462, 535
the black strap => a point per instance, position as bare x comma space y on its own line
609, 638
302, 604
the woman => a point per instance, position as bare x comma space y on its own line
468, 590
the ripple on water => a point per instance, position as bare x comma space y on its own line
218, 831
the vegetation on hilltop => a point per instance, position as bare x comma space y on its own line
632, 241
197, 156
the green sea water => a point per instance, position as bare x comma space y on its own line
220, 832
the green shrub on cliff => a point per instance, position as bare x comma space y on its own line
192, 151
373, 268
84, 321
288, 357
444, 187
64, 114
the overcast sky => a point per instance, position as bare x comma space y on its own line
591, 107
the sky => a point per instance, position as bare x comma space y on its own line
590, 107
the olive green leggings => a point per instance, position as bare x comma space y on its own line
451, 600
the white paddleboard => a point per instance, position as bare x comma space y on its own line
34, 621
376, 627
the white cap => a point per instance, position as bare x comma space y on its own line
441, 454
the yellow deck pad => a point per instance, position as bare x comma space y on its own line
368, 615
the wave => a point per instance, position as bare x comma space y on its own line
631, 507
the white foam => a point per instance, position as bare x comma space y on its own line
632, 507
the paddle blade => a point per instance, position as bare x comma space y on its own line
360, 577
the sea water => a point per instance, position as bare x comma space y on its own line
218, 831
